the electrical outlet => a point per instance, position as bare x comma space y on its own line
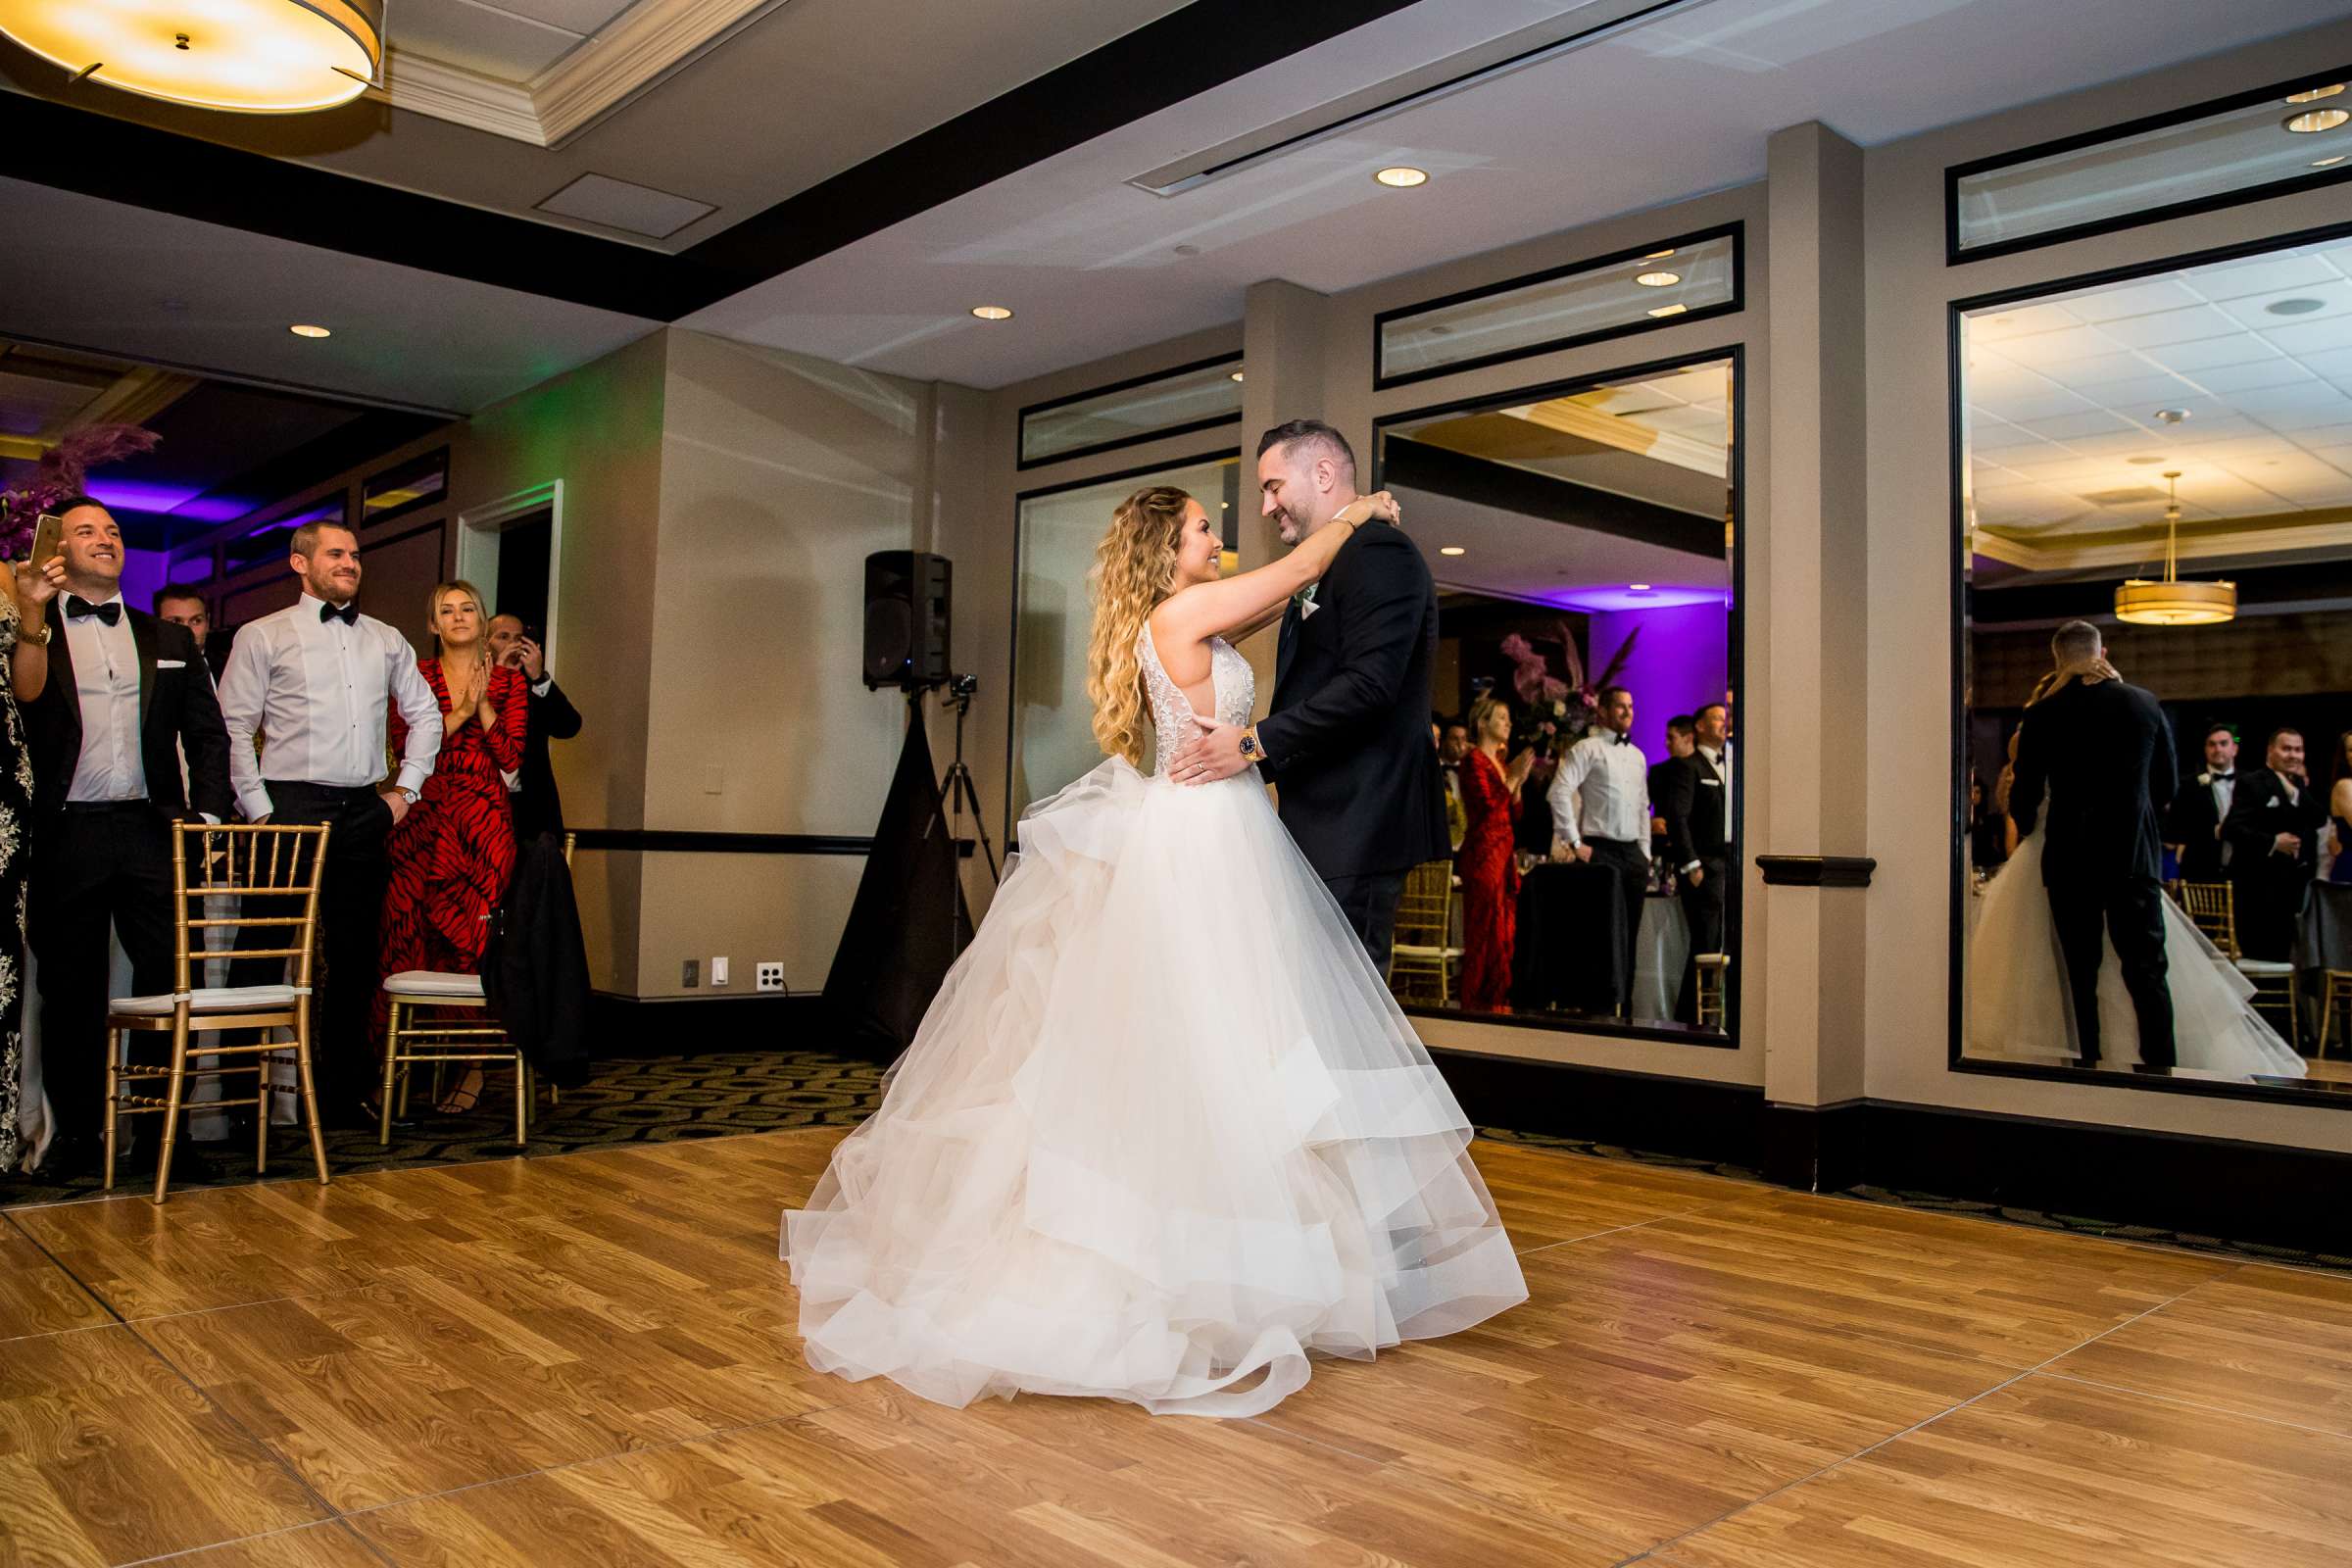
771, 977
718, 971
692, 975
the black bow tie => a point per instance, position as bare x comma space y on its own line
2222, 778
78, 606
348, 614
1622, 739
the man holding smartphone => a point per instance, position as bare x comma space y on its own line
538, 804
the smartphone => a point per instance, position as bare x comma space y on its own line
48, 539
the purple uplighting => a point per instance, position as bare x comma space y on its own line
1657, 596
172, 500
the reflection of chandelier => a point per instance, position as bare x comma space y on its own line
271, 57
2172, 602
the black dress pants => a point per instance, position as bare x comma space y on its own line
1369, 902
351, 908
1702, 912
93, 866
1625, 857
2127, 912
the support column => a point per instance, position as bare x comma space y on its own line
1810, 796
1283, 329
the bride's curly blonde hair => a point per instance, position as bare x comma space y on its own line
1135, 568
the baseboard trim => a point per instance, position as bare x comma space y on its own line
625, 1026
1816, 1149
1697, 1118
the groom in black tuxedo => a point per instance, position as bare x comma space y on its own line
2104, 752
1347, 740
2273, 831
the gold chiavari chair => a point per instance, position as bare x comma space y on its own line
2212, 908
2336, 990
270, 875
1425, 929
440, 1017
1711, 968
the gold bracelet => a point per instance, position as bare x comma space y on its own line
25, 633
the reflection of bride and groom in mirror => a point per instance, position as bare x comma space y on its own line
2076, 952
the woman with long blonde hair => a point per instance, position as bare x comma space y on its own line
1163, 1133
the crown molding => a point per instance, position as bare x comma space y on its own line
633, 53
636, 50
425, 86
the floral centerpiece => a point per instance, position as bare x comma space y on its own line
1554, 710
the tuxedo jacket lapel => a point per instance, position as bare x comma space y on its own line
143, 637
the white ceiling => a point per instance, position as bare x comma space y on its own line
512, 40
1509, 555
1674, 108
2062, 394
221, 298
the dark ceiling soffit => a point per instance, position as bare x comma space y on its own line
90, 154
1163, 62
1481, 481
2030, 603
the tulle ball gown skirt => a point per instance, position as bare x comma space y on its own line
1162, 1134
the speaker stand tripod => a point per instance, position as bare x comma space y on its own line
956, 791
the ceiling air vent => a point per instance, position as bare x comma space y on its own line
1576, 27
618, 204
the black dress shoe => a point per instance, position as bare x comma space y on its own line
70, 1157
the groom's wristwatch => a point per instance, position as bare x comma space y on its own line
1252, 751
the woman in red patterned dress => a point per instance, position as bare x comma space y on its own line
454, 853
1490, 873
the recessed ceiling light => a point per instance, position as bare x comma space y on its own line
1235, 376
2145, 462
993, 313
2328, 163
307, 330
2315, 119
1637, 587
2315, 94
1402, 177
1675, 309
1659, 256
1659, 279
1188, 250
1451, 550
2302, 305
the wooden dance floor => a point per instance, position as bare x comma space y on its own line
590, 1360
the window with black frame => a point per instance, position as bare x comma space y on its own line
1583, 540
2155, 699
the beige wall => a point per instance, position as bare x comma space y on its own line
598, 431
1912, 551
779, 475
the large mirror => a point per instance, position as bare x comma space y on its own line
2154, 822
1583, 538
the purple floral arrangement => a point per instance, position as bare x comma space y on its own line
60, 473
1553, 710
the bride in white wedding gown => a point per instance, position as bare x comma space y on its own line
1163, 1132
2017, 989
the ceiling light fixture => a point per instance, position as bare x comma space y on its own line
1235, 376
1659, 279
1451, 550
255, 57
2328, 163
2301, 304
1675, 309
1659, 256
1637, 587
2315, 94
2172, 602
2171, 416
305, 329
1402, 177
2316, 119
993, 313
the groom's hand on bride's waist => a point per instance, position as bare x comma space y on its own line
1217, 754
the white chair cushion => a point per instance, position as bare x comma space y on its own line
2265, 966
436, 983
209, 999
1409, 950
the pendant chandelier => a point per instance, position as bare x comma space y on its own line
2172, 602
259, 57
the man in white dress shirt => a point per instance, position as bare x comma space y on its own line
127, 696
1600, 803
318, 680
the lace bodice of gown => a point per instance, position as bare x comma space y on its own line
1172, 715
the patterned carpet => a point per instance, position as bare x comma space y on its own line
644, 1100
664, 1099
